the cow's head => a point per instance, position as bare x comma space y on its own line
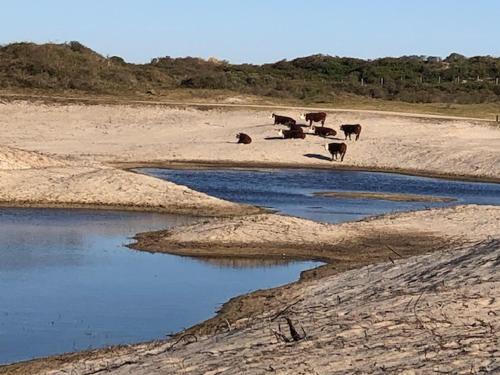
302, 116
238, 136
280, 133
342, 127
326, 147
271, 115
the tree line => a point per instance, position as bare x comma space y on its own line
316, 78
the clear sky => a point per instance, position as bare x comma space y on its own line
258, 31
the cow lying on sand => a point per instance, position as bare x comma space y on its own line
324, 132
336, 149
295, 127
283, 120
315, 117
287, 134
351, 129
243, 138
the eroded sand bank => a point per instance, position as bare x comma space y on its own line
30, 178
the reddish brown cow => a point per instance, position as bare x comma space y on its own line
324, 132
315, 117
243, 138
351, 129
336, 149
283, 120
287, 134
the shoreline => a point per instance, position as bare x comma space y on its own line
244, 210
132, 166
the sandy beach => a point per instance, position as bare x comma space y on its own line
400, 292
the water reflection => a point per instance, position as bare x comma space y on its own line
244, 262
67, 282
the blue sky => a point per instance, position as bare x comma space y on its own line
258, 31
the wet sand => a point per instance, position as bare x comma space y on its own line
383, 196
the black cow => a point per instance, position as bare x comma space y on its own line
351, 129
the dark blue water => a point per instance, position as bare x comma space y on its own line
290, 190
67, 283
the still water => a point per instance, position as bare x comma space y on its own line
67, 282
290, 191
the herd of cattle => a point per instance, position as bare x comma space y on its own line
296, 131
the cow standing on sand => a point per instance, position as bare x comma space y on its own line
243, 138
323, 131
283, 120
336, 149
315, 117
351, 129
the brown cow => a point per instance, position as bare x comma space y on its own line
315, 117
243, 138
295, 127
324, 132
286, 134
351, 129
283, 120
336, 149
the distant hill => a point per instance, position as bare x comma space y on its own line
318, 78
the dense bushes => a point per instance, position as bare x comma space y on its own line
73, 66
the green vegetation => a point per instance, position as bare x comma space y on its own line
456, 80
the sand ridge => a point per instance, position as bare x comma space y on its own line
29, 178
286, 232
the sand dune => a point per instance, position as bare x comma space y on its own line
32, 179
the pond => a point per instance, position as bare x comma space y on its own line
68, 283
290, 191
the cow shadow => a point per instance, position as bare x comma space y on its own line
318, 156
271, 138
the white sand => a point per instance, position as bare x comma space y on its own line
462, 223
30, 178
150, 133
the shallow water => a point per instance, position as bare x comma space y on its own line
290, 191
67, 283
